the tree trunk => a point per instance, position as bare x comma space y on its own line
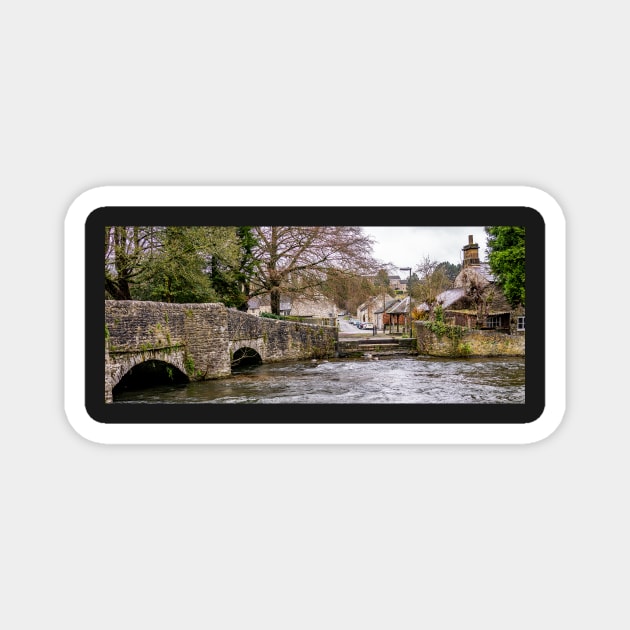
275, 300
119, 290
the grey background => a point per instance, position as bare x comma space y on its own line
314, 537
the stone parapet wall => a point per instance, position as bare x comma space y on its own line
476, 343
135, 324
282, 340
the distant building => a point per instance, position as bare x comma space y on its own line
374, 308
316, 307
396, 283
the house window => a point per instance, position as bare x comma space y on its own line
493, 321
520, 323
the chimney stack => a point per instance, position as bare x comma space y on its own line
471, 253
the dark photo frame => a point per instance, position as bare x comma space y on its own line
110, 413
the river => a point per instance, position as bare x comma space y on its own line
393, 379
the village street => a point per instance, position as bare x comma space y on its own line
346, 329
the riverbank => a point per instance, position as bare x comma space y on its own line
455, 342
375, 346
452, 343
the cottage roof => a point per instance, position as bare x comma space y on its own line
448, 297
445, 299
482, 270
388, 303
400, 307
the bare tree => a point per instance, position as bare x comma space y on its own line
300, 259
479, 291
432, 280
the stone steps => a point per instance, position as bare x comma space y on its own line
382, 347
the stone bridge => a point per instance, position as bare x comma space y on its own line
192, 342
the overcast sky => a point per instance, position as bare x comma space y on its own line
408, 246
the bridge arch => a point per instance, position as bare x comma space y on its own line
150, 365
150, 373
247, 351
245, 355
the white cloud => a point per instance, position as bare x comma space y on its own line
408, 246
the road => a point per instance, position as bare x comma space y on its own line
346, 329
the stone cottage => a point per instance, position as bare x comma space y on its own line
476, 301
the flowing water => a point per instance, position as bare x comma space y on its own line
394, 379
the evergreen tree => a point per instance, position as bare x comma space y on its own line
231, 280
450, 270
167, 263
506, 255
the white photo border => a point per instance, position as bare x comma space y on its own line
315, 434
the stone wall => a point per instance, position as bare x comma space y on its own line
141, 326
475, 343
200, 339
281, 340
